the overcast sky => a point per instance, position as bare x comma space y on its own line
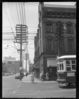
11, 17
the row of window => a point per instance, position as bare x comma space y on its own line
70, 65
65, 28
51, 45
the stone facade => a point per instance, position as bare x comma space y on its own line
56, 36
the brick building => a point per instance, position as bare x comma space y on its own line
56, 36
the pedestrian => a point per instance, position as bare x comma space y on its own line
32, 77
47, 76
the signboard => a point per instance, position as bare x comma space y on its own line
51, 62
21, 31
70, 74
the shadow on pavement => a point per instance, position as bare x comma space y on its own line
68, 87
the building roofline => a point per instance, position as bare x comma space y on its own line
59, 6
66, 56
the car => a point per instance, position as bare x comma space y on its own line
19, 76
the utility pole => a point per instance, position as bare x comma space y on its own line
21, 31
21, 47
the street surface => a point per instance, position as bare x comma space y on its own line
14, 88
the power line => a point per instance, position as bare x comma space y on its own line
15, 32
18, 4
10, 15
17, 12
24, 13
10, 23
20, 12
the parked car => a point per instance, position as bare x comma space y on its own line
19, 76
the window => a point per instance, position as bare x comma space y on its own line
68, 65
73, 67
59, 26
69, 28
67, 62
60, 67
68, 68
70, 44
73, 61
73, 64
48, 27
48, 45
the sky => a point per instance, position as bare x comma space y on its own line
12, 15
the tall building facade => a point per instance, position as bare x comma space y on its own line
56, 36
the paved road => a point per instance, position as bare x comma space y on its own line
16, 88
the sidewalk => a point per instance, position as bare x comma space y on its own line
28, 79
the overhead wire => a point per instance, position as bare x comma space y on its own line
9, 21
11, 29
24, 22
9, 17
23, 13
20, 12
22, 17
17, 12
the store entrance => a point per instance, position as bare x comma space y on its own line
52, 73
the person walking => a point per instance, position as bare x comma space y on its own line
47, 76
32, 77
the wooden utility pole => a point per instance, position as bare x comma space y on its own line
21, 31
21, 47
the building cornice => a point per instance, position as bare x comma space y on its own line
61, 14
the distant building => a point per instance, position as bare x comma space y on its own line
9, 59
26, 63
56, 36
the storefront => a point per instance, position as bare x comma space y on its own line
52, 68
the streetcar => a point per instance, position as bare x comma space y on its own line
66, 70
